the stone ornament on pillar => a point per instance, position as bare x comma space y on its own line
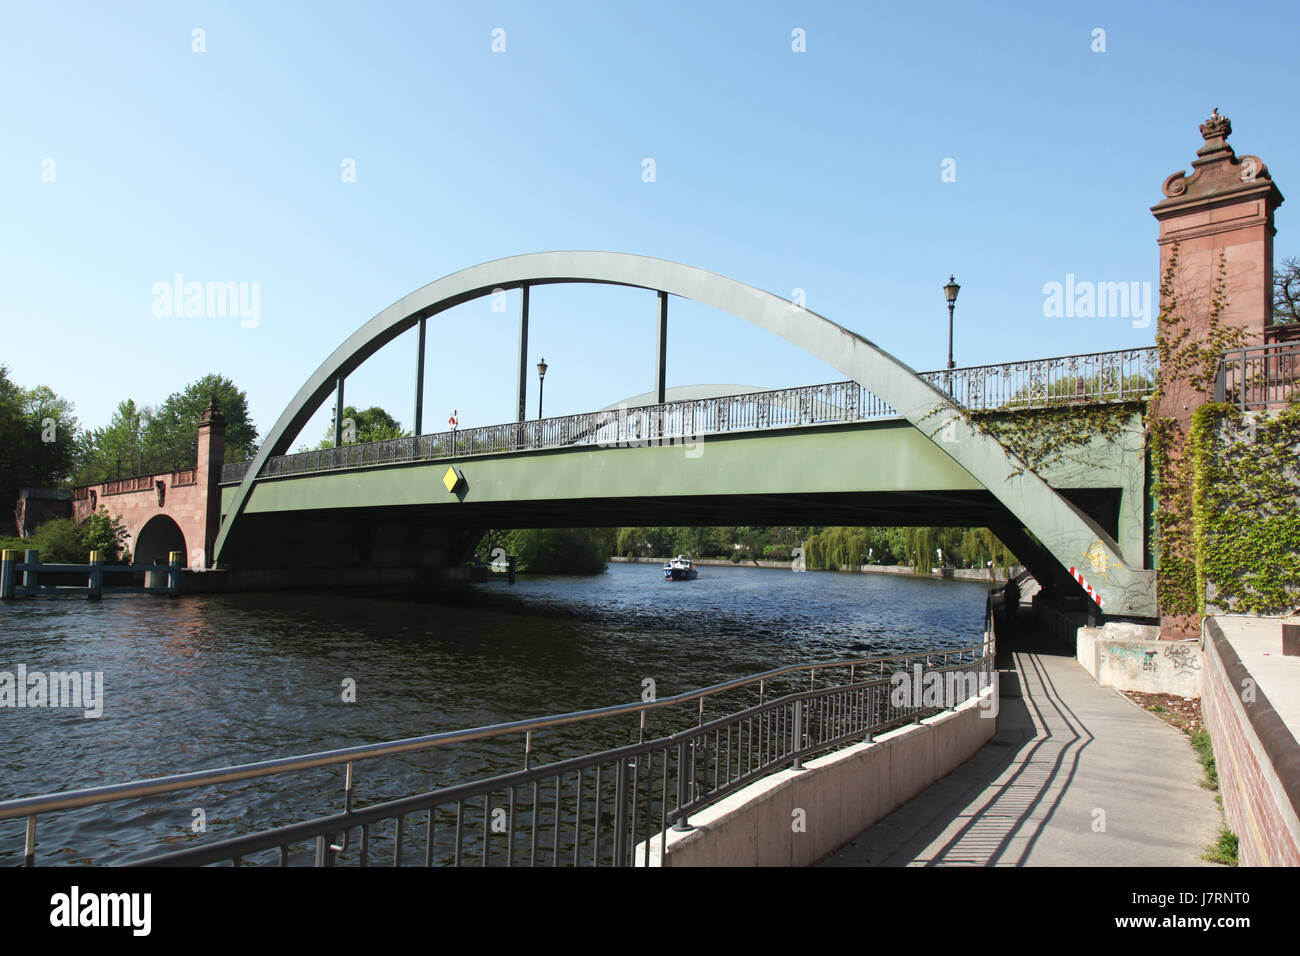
1217, 169
1222, 210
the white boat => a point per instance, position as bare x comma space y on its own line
680, 569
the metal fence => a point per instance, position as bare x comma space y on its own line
1103, 377
1259, 376
599, 809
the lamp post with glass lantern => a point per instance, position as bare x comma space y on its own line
950, 293
541, 384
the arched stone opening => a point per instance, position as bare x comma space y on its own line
156, 540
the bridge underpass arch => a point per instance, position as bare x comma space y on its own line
159, 536
1066, 532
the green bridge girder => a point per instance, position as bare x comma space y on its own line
872, 473
1073, 537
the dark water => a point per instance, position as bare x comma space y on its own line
201, 682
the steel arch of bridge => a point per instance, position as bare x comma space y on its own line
1074, 539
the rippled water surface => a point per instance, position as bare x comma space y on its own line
200, 682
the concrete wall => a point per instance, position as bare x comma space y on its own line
1130, 657
1257, 758
840, 795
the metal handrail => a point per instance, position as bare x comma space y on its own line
27, 806
1258, 376
34, 806
1105, 376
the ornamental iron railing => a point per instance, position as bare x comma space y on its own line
598, 808
1104, 377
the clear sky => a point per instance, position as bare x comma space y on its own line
820, 170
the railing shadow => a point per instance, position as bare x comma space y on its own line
1003, 798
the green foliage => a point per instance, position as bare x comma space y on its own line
38, 438
1247, 524
63, 541
1224, 849
174, 428
140, 440
372, 424
105, 533
557, 550
1105, 386
1187, 357
1042, 437
738, 543
1205, 753
840, 547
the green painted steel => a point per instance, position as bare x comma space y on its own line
869, 458
1073, 538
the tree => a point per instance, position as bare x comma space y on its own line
117, 450
371, 424
173, 430
557, 550
1286, 291
141, 440
38, 438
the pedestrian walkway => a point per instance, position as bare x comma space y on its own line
1077, 775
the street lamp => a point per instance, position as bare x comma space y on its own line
541, 384
950, 293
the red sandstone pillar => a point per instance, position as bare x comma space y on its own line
1224, 208
211, 456
1218, 222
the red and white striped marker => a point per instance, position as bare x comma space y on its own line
1086, 586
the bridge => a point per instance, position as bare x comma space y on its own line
887, 446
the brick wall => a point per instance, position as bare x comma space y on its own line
1257, 758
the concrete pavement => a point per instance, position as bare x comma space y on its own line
1077, 775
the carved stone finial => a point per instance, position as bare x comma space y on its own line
1216, 127
212, 413
1217, 170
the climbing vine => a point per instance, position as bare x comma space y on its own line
1043, 437
1187, 354
1246, 494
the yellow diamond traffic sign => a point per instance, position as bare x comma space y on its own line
452, 479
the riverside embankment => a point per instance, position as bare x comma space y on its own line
996, 576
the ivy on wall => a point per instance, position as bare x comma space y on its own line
1043, 437
1246, 492
1189, 356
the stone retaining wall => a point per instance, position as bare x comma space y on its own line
794, 818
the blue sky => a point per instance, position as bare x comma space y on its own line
819, 170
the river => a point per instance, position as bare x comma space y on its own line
203, 681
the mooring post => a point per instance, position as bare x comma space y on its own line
174, 559
8, 573
96, 583
31, 559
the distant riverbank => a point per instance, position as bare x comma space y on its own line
964, 574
